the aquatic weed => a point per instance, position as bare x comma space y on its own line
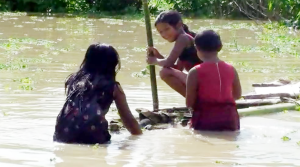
113, 109
285, 138
14, 13
4, 114
34, 60
25, 83
13, 66
219, 162
143, 73
274, 40
7, 87
96, 146
298, 143
17, 44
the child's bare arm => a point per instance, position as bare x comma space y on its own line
155, 52
178, 48
191, 88
236, 86
179, 65
126, 116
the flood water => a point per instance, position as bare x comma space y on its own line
48, 49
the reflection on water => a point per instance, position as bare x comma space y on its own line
51, 48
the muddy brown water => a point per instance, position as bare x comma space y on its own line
27, 118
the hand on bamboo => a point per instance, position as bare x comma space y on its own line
154, 51
151, 60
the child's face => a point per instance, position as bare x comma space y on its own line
167, 31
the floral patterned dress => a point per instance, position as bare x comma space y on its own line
82, 118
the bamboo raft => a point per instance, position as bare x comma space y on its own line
267, 98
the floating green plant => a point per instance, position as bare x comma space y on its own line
298, 143
25, 83
113, 109
285, 111
285, 138
21, 43
22, 63
13, 66
96, 146
239, 63
34, 60
219, 162
274, 40
143, 73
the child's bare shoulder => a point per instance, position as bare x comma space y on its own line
118, 91
183, 38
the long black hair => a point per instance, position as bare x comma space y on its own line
173, 18
100, 59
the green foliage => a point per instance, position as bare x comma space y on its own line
203, 8
70, 6
289, 9
286, 11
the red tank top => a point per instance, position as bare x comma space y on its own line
215, 109
215, 82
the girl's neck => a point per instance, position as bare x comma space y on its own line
211, 59
180, 31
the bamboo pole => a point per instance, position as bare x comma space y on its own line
152, 67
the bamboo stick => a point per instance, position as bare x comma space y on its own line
263, 110
152, 67
264, 96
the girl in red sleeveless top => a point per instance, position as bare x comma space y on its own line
212, 88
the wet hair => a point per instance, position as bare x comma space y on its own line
100, 59
172, 18
208, 41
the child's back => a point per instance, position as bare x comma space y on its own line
215, 108
215, 82
90, 92
212, 88
82, 119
